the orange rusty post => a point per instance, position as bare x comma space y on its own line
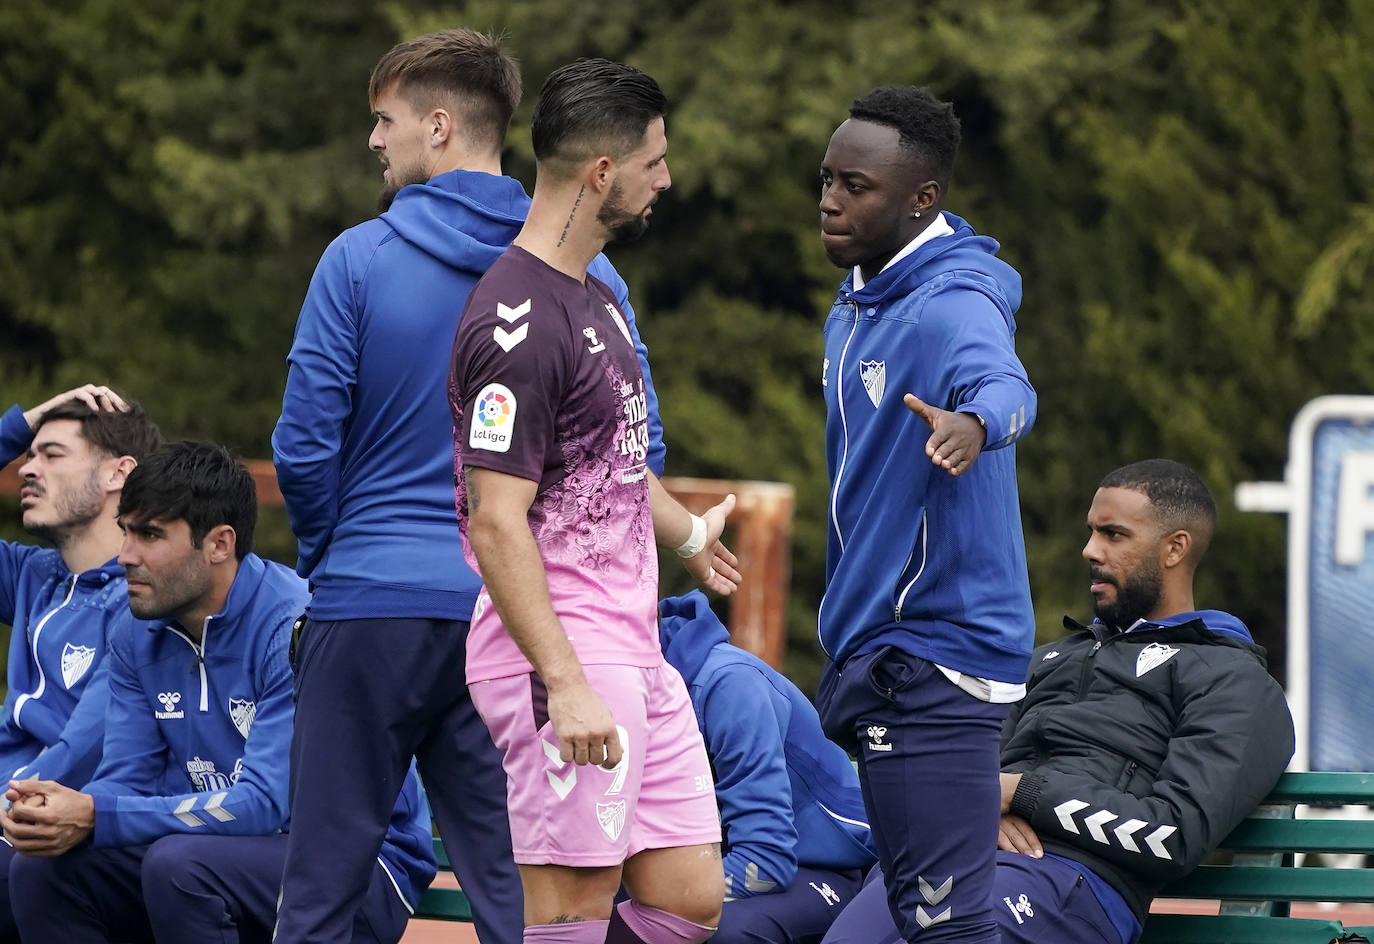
760, 532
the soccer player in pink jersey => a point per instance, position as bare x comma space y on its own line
607, 777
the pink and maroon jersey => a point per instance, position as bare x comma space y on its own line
546, 386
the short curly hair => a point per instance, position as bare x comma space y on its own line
924, 124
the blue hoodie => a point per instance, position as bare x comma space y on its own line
364, 446
916, 558
198, 737
54, 714
787, 796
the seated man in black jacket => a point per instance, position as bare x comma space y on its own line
1144, 738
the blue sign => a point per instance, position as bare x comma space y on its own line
1328, 493
1340, 594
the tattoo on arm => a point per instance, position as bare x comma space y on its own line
576, 203
474, 495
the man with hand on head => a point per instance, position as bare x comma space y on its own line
364, 455
179, 836
1144, 738
63, 604
606, 774
926, 617
795, 836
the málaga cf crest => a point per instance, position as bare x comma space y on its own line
874, 376
75, 661
242, 712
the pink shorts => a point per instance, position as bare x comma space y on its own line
659, 796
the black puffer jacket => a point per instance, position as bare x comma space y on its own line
1140, 751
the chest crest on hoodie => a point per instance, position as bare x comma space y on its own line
874, 377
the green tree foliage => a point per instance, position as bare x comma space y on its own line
1186, 187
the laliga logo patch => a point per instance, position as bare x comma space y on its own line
493, 420
75, 661
1152, 657
874, 376
611, 816
242, 712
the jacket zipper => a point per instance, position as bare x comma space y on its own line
844, 456
901, 597
42, 677
200, 660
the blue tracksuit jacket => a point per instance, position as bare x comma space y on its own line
364, 446
54, 714
198, 736
787, 795
917, 558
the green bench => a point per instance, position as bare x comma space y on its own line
1255, 890
1261, 882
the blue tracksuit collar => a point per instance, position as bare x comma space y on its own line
99, 576
963, 254
688, 630
465, 219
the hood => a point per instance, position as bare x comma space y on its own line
465, 219
688, 631
1214, 621
99, 576
963, 256
1223, 624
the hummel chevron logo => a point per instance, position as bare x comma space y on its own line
1125, 833
753, 883
509, 315
508, 339
934, 896
561, 785
924, 919
1065, 813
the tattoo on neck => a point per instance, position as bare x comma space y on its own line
576, 203
567, 919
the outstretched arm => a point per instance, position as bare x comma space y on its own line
696, 538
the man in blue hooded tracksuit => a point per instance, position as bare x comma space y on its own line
926, 617
179, 836
796, 839
63, 603
1144, 737
364, 455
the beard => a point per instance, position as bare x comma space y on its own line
72, 510
173, 590
1135, 597
622, 224
399, 177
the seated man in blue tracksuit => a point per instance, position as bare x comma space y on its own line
180, 836
796, 839
64, 602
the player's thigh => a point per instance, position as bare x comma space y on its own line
1046, 900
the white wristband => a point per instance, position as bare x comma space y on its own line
696, 541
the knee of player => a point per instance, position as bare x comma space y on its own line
168, 864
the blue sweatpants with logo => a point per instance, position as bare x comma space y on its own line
800, 914
929, 768
180, 888
370, 693
1034, 901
